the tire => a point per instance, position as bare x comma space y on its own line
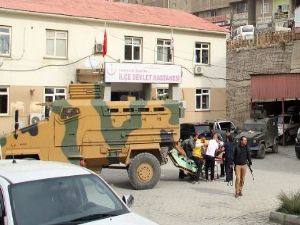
275, 146
261, 151
144, 171
298, 155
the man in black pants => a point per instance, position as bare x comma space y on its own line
229, 157
241, 157
213, 145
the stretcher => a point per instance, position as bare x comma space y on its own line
183, 163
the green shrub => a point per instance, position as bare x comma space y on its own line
289, 204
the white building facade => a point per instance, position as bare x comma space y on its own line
40, 53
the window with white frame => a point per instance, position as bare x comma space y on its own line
202, 51
202, 99
164, 51
5, 39
51, 94
4, 101
162, 93
56, 43
265, 7
133, 49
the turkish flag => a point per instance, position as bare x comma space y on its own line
104, 50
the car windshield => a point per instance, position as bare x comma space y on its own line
200, 129
253, 126
247, 29
61, 200
226, 126
286, 119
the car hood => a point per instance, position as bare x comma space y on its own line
249, 134
124, 219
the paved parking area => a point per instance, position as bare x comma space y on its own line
179, 202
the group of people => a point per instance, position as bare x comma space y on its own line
232, 156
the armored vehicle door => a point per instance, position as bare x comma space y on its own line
67, 131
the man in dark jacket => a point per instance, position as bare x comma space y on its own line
188, 145
229, 157
241, 157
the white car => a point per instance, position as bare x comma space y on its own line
51, 193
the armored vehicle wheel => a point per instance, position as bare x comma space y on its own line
261, 151
144, 171
275, 148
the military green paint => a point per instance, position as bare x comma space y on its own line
69, 144
2, 141
116, 138
173, 106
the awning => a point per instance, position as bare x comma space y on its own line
275, 86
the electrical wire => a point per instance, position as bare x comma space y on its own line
147, 48
49, 65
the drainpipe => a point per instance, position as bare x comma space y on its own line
263, 10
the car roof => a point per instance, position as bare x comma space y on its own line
30, 170
196, 124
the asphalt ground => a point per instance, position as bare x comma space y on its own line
178, 202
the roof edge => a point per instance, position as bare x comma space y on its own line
110, 21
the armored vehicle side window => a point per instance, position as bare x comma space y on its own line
113, 110
128, 110
70, 112
159, 109
143, 109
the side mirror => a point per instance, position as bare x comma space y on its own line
128, 200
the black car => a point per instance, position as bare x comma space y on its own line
297, 147
190, 129
262, 134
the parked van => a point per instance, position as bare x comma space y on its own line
244, 32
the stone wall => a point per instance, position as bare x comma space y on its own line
243, 62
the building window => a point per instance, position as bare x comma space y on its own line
265, 7
56, 43
5, 37
213, 13
242, 7
4, 101
164, 51
133, 49
52, 94
202, 99
162, 93
202, 53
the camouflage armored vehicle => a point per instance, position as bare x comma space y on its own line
261, 134
135, 135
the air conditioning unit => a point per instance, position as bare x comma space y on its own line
98, 48
198, 70
35, 118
